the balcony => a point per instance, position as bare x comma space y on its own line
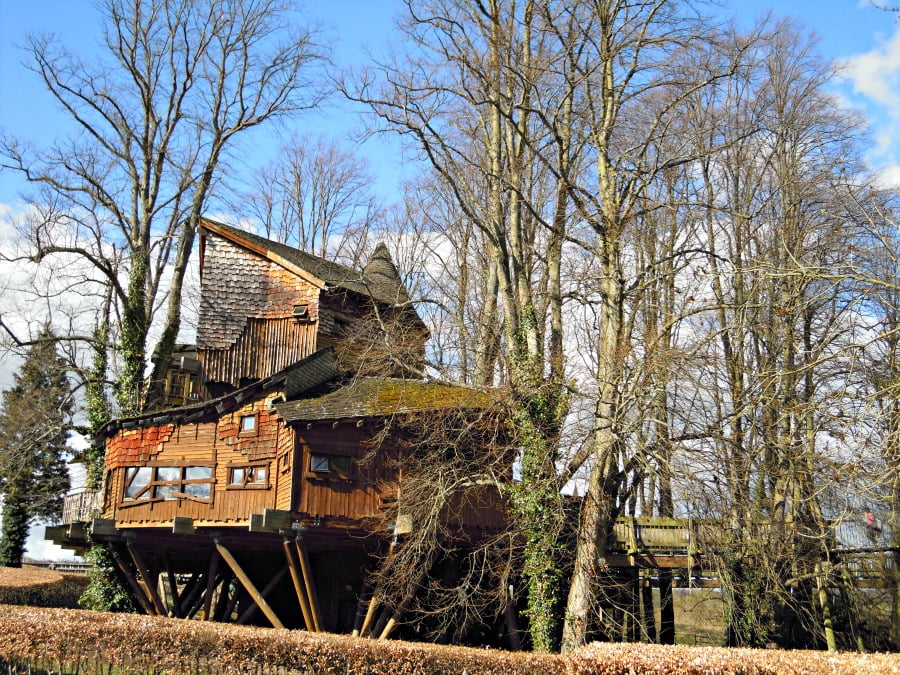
81, 507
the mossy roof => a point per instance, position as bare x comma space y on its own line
380, 396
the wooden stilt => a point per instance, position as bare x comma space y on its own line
384, 615
273, 582
210, 586
249, 586
370, 615
174, 609
237, 594
198, 602
364, 596
401, 609
148, 583
375, 599
190, 592
310, 587
142, 598
299, 588
666, 608
223, 606
648, 616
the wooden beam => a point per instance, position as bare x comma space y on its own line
145, 575
221, 611
650, 561
310, 587
299, 589
173, 590
210, 586
268, 589
139, 593
370, 614
248, 584
190, 592
364, 597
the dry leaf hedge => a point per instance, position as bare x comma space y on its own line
40, 587
80, 641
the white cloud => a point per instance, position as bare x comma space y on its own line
889, 177
876, 74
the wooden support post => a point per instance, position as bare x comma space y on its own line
401, 609
142, 598
175, 610
221, 610
384, 615
148, 583
210, 586
666, 608
648, 616
273, 582
248, 584
299, 589
370, 614
364, 597
306, 570
190, 591
198, 602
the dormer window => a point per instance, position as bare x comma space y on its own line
301, 312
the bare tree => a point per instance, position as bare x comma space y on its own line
181, 82
315, 196
467, 102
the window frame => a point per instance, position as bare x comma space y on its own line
331, 473
248, 433
148, 492
246, 468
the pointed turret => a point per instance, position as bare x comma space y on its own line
381, 276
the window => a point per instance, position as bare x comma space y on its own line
166, 483
253, 476
331, 466
247, 426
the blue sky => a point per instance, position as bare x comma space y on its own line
848, 29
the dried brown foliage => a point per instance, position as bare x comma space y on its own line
140, 643
40, 587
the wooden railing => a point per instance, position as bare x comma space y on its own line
662, 536
81, 507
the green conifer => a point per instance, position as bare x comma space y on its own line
35, 420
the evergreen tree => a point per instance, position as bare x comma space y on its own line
35, 419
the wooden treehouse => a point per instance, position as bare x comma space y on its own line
259, 494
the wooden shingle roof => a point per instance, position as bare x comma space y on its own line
381, 396
378, 280
298, 378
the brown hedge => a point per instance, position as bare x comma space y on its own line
40, 587
143, 644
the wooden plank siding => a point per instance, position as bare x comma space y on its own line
263, 347
348, 500
245, 328
219, 444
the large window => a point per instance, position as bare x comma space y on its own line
146, 483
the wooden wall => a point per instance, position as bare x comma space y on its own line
340, 499
245, 330
219, 444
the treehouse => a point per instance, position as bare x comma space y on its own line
269, 481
